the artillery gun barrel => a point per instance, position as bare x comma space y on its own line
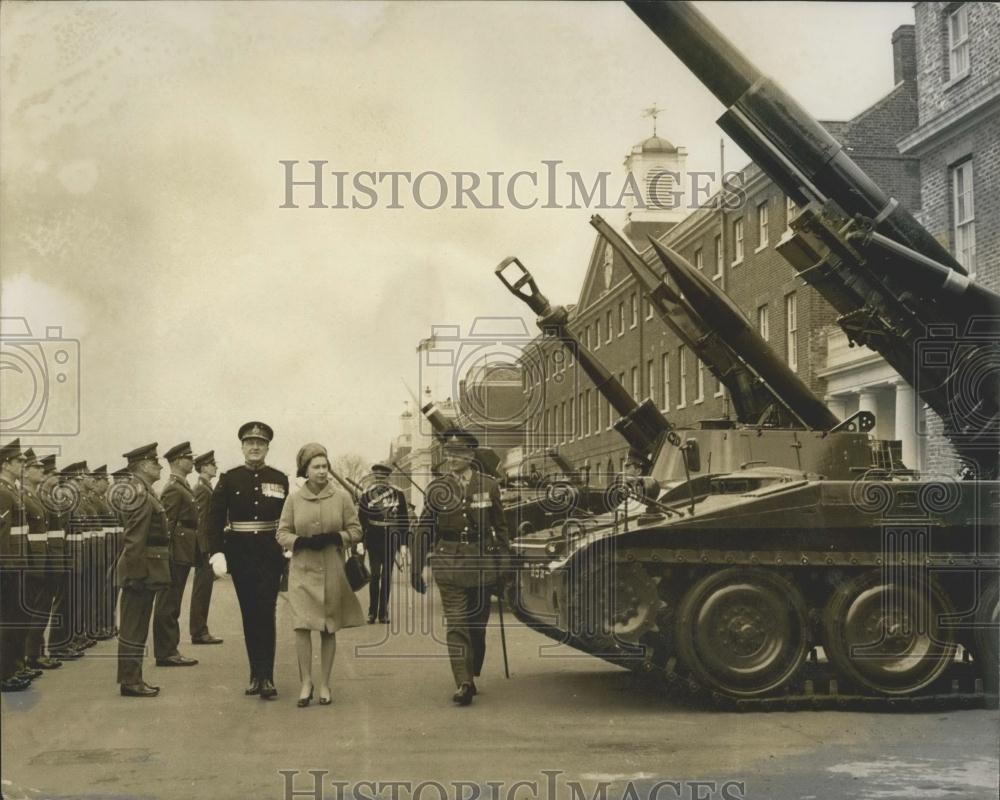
714, 304
763, 109
641, 424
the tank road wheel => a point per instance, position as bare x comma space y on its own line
987, 638
884, 635
636, 603
743, 631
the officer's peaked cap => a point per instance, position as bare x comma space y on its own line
256, 430
182, 450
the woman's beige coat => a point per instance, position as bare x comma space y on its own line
318, 592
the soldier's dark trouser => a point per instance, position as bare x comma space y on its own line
69, 600
133, 630
167, 613
255, 564
39, 603
466, 613
201, 598
12, 619
50, 600
381, 583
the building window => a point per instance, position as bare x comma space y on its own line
763, 323
597, 333
635, 382
649, 310
570, 421
609, 321
719, 258
597, 412
563, 423
762, 225
585, 422
635, 310
738, 241
621, 318
964, 214
958, 43
682, 372
699, 259
665, 366
611, 413
545, 426
719, 389
699, 395
792, 330
790, 209
651, 380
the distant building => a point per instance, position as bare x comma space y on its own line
736, 249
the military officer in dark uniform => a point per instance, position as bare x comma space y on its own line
38, 596
463, 532
143, 569
73, 613
204, 577
385, 521
243, 523
13, 548
182, 522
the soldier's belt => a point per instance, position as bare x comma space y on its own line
74, 537
459, 537
37, 537
19, 530
253, 527
56, 534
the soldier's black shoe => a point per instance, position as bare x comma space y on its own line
67, 655
176, 661
475, 690
44, 662
14, 684
150, 686
371, 619
103, 635
253, 688
30, 673
206, 639
138, 690
464, 694
267, 689
84, 642
384, 620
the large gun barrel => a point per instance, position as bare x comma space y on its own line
441, 426
641, 424
764, 111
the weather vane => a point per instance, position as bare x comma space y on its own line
653, 111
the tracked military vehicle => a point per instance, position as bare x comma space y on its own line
773, 560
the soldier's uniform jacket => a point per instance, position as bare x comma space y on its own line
13, 531
246, 500
145, 556
203, 501
462, 531
36, 518
384, 517
182, 520
104, 519
83, 520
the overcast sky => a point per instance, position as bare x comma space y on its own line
142, 188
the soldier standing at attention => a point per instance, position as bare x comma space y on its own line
39, 598
105, 611
385, 521
13, 544
462, 530
143, 569
182, 522
204, 577
243, 523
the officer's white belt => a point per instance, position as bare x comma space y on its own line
74, 537
37, 537
253, 527
19, 530
57, 534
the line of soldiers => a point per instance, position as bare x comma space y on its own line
61, 535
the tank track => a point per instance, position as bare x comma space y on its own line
815, 686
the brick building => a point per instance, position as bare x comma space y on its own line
736, 248
957, 140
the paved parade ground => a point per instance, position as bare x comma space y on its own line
589, 724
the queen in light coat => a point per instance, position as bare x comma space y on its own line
318, 522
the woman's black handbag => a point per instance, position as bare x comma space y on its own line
358, 575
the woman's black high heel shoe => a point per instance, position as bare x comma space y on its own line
304, 701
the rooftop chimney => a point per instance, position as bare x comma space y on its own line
904, 54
